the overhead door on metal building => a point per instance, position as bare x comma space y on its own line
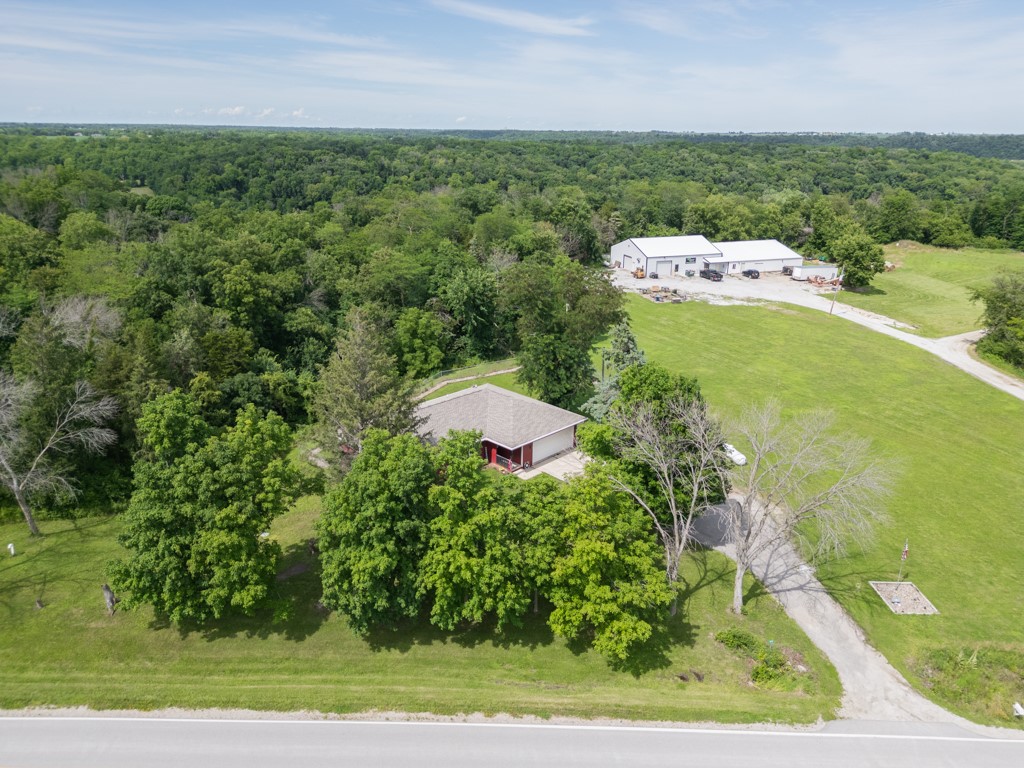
663, 268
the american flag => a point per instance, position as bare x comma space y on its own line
906, 550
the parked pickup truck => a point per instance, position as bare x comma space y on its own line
712, 275
753, 274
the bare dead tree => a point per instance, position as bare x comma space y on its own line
28, 460
83, 320
8, 322
679, 444
801, 477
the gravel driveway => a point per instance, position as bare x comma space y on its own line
872, 688
776, 287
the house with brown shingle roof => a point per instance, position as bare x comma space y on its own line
516, 431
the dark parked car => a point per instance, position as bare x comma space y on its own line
712, 275
753, 274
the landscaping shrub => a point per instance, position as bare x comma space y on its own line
736, 639
771, 666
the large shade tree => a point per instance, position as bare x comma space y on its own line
195, 529
374, 531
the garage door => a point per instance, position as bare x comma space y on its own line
663, 268
552, 444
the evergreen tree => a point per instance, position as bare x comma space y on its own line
360, 387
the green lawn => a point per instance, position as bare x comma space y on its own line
503, 380
294, 658
930, 289
956, 443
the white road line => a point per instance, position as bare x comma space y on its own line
539, 726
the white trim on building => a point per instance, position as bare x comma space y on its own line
666, 256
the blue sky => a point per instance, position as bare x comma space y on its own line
705, 65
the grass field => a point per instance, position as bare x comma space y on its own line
503, 380
930, 289
295, 658
956, 443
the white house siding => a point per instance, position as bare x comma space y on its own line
628, 255
552, 444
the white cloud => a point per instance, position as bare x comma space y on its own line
267, 112
394, 69
231, 111
460, 119
522, 20
667, 21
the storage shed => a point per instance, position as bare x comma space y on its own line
824, 271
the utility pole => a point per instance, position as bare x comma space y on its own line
839, 281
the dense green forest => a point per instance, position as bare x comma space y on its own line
224, 262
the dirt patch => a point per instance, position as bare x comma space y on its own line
903, 597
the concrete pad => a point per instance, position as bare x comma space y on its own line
561, 466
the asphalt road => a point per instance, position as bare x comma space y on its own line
35, 742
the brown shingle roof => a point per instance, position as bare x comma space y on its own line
503, 417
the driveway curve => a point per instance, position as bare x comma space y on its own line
872, 688
955, 350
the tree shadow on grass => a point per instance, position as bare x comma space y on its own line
403, 636
293, 609
849, 585
53, 563
866, 290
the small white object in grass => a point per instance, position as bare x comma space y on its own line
265, 535
1018, 710
734, 456
10, 548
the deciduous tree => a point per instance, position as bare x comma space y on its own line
374, 531
803, 483
492, 545
668, 459
31, 452
557, 370
1004, 317
607, 587
195, 526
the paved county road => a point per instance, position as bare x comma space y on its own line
35, 742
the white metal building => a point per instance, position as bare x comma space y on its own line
668, 256
762, 255
664, 256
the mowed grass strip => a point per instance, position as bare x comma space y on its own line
954, 443
931, 287
504, 380
294, 657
